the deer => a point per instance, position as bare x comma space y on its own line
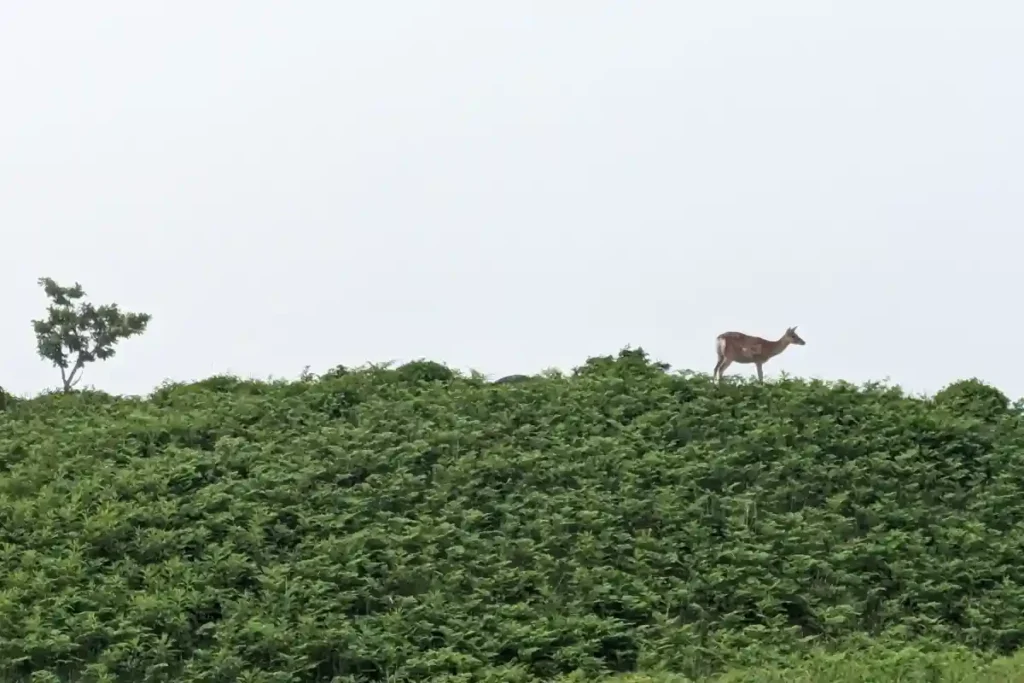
736, 347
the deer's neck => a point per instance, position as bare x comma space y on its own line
778, 346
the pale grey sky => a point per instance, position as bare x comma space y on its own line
511, 186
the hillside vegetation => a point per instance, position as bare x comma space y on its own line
411, 524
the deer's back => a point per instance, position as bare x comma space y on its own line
740, 338
744, 348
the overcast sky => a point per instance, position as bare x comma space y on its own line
519, 185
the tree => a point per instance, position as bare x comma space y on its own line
72, 336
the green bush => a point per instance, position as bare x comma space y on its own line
359, 528
424, 371
974, 397
628, 363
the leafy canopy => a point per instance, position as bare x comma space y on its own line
75, 332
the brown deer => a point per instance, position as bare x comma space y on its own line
736, 347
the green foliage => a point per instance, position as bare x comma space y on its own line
71, 336
974, 397
512, 379
336, 371
874, 664
629, 362
424, 371
230, 385
375, 525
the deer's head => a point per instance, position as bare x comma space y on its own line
792, 337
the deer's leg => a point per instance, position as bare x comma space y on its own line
722, 365
760, 373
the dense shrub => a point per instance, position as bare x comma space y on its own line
628, 363
513, 379
372, 526
424, 371
872, 664
974, 397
